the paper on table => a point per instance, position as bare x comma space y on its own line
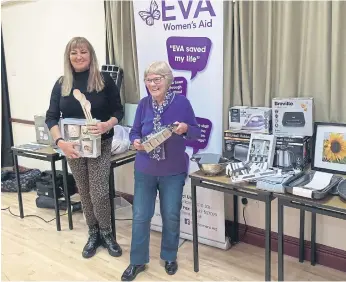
306, 193
319, 181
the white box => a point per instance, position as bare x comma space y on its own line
75, 130
262, 149
43, 135
251, 119
293, 116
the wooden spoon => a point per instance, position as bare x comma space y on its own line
77, 94
81, 98
87, 107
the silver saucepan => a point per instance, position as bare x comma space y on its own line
210, 164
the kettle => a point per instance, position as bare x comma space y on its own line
285, 158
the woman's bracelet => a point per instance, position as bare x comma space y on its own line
57, 141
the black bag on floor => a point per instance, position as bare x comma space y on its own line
28, 179
44, 202
44, 184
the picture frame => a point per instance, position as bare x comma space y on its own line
329, 148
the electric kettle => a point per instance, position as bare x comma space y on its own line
285, 158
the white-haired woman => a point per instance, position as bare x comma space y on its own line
164, 169
81, 72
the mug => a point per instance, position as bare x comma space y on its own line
87, 147
76, 145
84, 131
73, 130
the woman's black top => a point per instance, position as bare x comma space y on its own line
104, 104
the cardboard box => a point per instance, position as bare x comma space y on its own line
236, 145
253, 119
293, 116
75, 130
43, 135
292, 152
262, 149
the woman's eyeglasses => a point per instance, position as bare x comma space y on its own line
156, 80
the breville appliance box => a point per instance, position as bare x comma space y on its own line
236, 145
252, 119
43, 135
293, 152
293, 116
75, 130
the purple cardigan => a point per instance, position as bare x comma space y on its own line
179, 110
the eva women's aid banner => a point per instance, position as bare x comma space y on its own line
189, 36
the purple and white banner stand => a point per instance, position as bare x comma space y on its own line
189, 36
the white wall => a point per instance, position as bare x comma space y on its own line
35, 35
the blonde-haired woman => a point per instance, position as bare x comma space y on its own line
81, 71
164, 169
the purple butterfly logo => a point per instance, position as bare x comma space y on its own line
152, 14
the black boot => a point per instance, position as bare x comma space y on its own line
131, 272
110, 244
171, 267
93, 243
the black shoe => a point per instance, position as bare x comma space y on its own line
131, 272
93, 243
171, 267
110, 244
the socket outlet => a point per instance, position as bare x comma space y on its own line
244, 201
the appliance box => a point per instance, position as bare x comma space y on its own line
250, 119
292, 152
236, 145
262, 149
75, 130
43, 135
293, 116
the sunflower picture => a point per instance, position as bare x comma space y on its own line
334, 148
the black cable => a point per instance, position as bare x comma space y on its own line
31, 215
243, 236
245, 224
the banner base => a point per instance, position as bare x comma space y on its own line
221, 245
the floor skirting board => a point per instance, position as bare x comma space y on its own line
325, 255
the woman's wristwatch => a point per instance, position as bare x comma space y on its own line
57, 141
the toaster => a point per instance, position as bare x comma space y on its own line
240, 152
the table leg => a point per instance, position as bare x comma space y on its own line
111, 197
280, 241
313, 238
67, 194
56, 203
235, 225
19, 187
301, 236
268, 239
194, 226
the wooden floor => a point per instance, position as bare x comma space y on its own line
34, 250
